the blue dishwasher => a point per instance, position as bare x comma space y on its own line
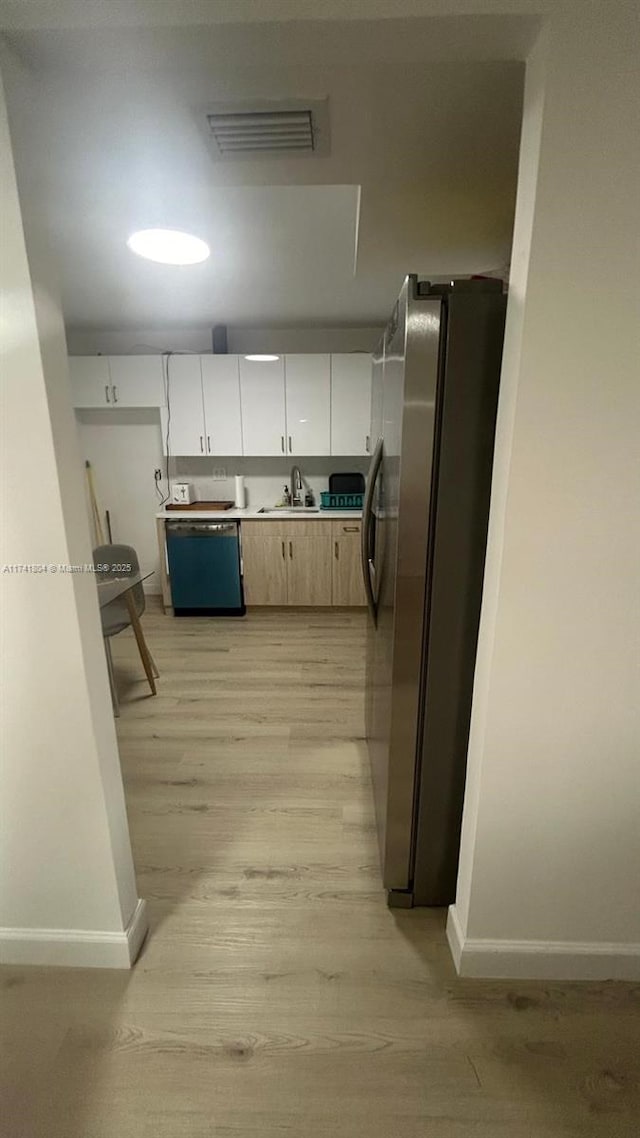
205, 569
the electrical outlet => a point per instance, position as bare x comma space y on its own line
157, 474
219, 474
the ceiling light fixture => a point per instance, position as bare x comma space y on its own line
261, 359
168, 246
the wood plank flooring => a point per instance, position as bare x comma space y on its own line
277, 995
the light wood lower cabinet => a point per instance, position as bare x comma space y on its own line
265, 568
347, 586
313, 563
309, 570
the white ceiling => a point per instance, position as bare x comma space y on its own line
107, 129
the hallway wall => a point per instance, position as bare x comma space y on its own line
67, 888
550, 856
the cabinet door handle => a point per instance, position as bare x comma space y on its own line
290, 445
335, 547
283, 552
367, 444
350, 529
201, 445
282, 442
209, 443
291, 551
115, 393
106, 392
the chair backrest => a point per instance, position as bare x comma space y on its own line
119, 561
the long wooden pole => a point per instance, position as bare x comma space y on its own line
97, 524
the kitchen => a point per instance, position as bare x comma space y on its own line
315, 408
242, 874
427, 401
225, 328
271, 408
306, 261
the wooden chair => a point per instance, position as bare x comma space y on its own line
124, 612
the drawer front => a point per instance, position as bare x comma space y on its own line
343, 529
261, 529
280, 527
310, 527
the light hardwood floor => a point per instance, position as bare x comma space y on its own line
277, 995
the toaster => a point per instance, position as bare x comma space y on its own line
181, 493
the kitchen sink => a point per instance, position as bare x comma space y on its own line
289, 510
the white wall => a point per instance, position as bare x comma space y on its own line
137, 341
358, 339
124, 449
129, 341
550, 860
67, 889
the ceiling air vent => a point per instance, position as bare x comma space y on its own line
270, 130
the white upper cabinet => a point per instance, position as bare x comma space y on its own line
184, 419
116, 381
308, 403
136, 381
90, 381
263, 406
350, 403
221, 398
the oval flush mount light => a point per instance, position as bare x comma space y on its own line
168, 246
262, 359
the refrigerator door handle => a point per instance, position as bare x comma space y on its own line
367, 514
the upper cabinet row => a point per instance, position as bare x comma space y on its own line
229, 405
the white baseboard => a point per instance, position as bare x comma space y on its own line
540, 960
76, 948
136, 931
455, 937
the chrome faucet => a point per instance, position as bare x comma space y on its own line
297, 490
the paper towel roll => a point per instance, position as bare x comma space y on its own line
240, 492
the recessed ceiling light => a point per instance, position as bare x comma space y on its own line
168, 246
261, 359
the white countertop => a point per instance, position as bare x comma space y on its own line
248, 514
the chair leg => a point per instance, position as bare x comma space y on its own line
153, 663
145, 655
112, 679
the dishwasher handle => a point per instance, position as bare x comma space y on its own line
202, 529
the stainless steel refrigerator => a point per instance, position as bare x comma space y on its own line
435, 392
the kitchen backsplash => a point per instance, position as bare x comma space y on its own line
264, 477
